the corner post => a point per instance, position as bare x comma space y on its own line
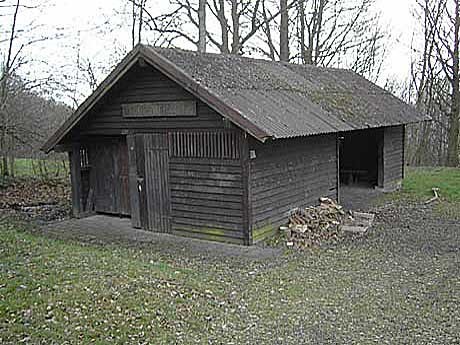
338, 166
75, 177
246, 181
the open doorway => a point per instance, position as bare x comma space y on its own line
361, 158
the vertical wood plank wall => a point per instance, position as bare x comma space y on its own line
393, 157
75, 176
287, 174
157, 187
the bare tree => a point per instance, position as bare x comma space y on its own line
14, 127
284, 31
433, 87
440, 67
239, 22
6, 72
137, 20
202, 26
343, 33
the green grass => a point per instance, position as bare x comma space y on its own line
420, 181
55, 291
26, 167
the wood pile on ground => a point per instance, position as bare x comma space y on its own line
325, 223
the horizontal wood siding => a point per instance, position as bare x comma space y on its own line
143, 85
393, 157
206, 198
287, 174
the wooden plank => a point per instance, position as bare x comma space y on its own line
157, 182
124, 200
133, 182
223, 191
215, 211
173, 108
75, 175
200, 195
221, 204
210, 219
210, 167
204, 175
204, 223
209, 237
275, 191
247, 195
337, 150
206, 182
208, 161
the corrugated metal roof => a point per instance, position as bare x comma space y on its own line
264, 98
287, 100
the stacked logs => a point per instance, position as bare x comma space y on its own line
314, 225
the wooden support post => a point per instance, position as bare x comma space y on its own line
380, 158
246, 180
75, 176
338, 166
133, 182
404, 153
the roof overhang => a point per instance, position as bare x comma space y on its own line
143, 54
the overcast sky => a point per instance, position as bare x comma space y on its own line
80, 18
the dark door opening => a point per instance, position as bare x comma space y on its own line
360, 157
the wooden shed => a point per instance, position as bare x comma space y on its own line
222, 147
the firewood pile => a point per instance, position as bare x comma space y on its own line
314, 225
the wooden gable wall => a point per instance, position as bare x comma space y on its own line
205, 188
145, 84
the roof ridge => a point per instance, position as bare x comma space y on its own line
255, 59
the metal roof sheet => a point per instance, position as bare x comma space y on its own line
264, 98
287, 100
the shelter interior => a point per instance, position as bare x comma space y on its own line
361, 155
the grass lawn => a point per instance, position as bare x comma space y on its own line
420, 181
25, 167
398, 285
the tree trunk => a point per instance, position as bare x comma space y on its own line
453, 150
202, 26
141, 18
133, 23
301, 9
236, 28
284, 32
223, 27
5, 172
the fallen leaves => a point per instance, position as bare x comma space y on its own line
37, 199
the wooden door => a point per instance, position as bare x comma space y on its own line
149, 181
110, 176
123, 200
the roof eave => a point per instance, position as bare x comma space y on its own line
172, 71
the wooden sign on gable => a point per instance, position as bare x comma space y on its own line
160, 109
